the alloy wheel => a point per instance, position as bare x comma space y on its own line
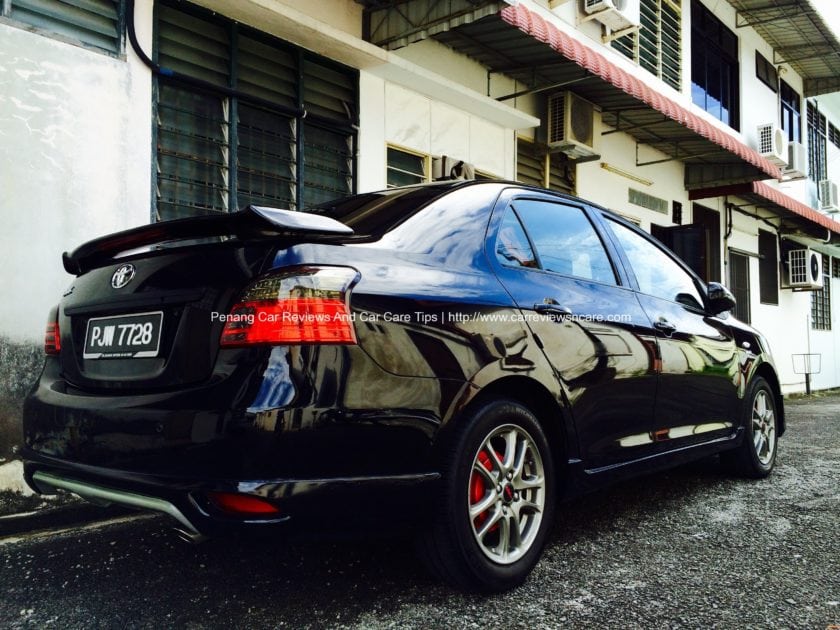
507, 494
763, 427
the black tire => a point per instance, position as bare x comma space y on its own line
756, 455
451, 545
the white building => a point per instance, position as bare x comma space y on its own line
652, 110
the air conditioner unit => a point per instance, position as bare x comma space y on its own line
828, 196
616, 15
797, 161
573, 125
805, 269
773, 144
446, 167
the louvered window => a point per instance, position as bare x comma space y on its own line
91, 23
406, 167
533, 160
277, 129
656, 46
817, 149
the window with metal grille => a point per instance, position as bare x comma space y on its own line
817, 169
270, 123
821, 301
739, 284
96, 24
766, 72
536, 166
833, 135
656, 46
714, 66
835, 267
791, 110
406, 167
768, 268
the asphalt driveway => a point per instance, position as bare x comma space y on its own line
690, 549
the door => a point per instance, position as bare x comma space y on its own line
739, 284
552, 260
697, 397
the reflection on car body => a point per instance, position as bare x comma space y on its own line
466, 352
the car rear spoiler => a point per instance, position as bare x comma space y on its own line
252, 222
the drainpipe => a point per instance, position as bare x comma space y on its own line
728, 216
200, 83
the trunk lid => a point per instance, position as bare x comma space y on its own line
153, 320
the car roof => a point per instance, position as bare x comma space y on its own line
461, 183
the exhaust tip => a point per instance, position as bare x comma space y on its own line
192, 537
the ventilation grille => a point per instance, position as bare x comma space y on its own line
643, 199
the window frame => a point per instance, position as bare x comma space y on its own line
768, 265
790, 110
634, 44
709, 48
817, 143
762, 64
833, 135
552, 170
603, 239
509, 210
743, 307
821, 300
699, 285
118, 52
305, 151
427, 163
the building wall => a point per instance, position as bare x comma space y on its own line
75, 163
76, 151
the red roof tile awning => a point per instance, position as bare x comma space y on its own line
764, 195
597, 64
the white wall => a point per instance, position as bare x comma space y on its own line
75, 156
611, 189
391, 114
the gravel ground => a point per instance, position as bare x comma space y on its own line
689, 549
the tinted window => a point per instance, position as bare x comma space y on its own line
374, 214
565, 240
512, 246
656, 272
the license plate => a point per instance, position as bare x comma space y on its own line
124, 336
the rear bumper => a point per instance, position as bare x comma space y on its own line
49, 483
301, 502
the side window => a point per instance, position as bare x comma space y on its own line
512, 246
565, 240
656, 272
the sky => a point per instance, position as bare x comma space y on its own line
830, 10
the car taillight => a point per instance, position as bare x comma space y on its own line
302, 305
52, 336
244, 504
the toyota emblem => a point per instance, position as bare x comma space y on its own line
122, 276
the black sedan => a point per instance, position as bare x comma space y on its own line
475, 350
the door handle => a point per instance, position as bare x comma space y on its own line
663, 325
552, 307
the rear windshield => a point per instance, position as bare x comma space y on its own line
374, 214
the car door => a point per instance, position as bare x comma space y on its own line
697, 396
553, 261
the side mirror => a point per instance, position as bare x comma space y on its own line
720, 298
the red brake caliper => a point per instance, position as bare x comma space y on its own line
478, 488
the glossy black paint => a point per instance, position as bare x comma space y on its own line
441, 323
